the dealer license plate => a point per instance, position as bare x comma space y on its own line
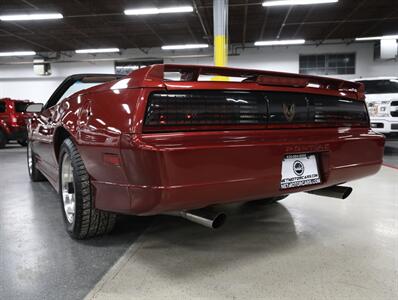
299, 170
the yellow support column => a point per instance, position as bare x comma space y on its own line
220, 18
220, 51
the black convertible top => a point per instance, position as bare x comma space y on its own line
70, 80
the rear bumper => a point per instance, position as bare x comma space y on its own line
178, 171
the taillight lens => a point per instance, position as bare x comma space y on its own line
342, 112
205, 108
222, 110
306, 110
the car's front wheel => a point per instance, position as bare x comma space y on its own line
34, 174
81, 218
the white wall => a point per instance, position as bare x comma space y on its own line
19, 81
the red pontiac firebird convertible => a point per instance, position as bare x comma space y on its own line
167, 139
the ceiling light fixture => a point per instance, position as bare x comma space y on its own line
31, 17
18, 53
187, 46
375, 38
103, 50
155, 11
297, 2
279, 43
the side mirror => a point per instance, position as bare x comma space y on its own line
34, 108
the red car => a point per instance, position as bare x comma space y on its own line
162, 141
13, 121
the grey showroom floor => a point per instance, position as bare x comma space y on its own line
306, 247
38, 260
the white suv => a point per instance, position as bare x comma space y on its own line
382, 101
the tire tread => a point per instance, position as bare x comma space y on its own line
90, 222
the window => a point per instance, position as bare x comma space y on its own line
77, 87
21, 106
387, 86
2, 106
77, 83
327, 64
126, 67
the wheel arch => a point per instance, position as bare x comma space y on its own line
60, 135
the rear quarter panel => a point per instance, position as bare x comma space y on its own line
104, 116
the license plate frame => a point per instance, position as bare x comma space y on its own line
299, 170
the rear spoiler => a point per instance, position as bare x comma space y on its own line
154, 76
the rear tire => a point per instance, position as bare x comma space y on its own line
34, 174
3, 140
82, 219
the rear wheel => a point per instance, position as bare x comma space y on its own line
3, 140
34, 174
81, 218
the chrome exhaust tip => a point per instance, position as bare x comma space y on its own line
219, 220
209, 221
336, 191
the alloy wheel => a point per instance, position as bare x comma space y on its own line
30, 158
68, 188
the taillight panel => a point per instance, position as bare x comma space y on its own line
206, 108
217, 110
331, 110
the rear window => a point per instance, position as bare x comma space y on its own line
385, 86
2, 106
21, 106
